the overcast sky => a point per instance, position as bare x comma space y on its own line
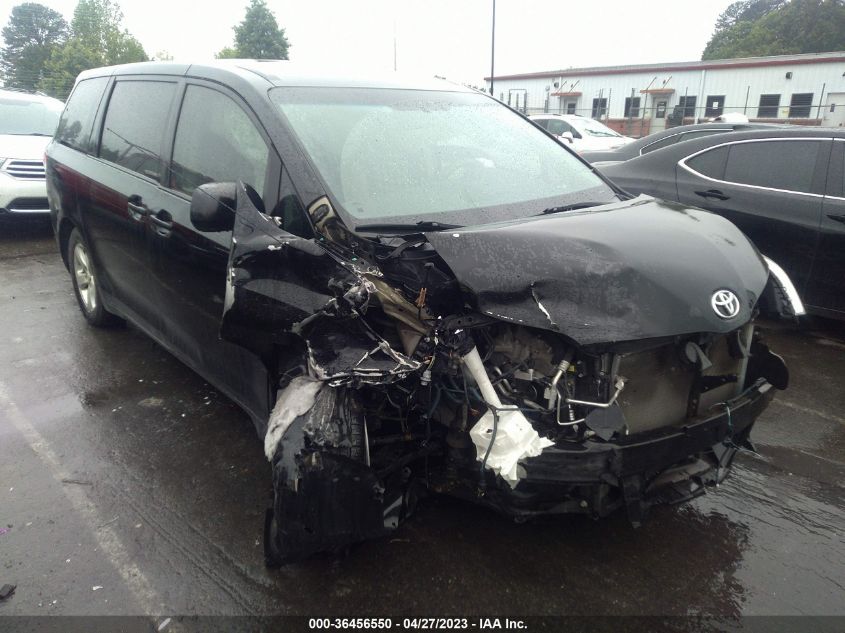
450, 38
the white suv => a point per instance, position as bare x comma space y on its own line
27, 123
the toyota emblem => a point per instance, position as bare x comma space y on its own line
725, 304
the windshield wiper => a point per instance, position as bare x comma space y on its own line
28, 134
416, 228
576, 205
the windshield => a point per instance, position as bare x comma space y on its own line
18, 116
593, 128
412, 154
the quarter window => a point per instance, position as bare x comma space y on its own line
710, 163
216, 142
135, 123
75, 125
769, 105
788, 165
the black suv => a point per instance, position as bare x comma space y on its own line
411, 288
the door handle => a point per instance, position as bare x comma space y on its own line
162, 219
137, 209
837, 218
712, 193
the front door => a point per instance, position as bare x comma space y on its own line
215, 141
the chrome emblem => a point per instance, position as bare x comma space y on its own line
725, 304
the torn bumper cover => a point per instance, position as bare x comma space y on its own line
327, 495
669, 465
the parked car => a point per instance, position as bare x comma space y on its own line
27, 123
402, 306
664, 138
782, 187
582, 133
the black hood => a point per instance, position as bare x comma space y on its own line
633, 270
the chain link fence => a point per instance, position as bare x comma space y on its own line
641, 114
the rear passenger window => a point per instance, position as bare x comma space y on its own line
216, 142
665, 142
75, 125
710, 163
135, 124
777, 164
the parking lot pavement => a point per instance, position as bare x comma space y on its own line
130, 486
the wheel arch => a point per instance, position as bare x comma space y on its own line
66, 226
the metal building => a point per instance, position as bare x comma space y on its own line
636, 100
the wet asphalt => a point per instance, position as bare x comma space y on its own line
128, 485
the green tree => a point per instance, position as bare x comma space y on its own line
96, 39
753, 28
227, 53
258, 36
33, 31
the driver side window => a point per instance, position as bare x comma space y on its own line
216, 142
558, 127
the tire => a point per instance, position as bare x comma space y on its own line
86, 286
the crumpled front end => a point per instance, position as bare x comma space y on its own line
540, 371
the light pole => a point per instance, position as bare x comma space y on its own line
493, 49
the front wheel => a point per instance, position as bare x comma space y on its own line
86, 283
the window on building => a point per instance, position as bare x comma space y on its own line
786, 165
570, 107
216, 142
75, 125
688, 104
133, 141
769, 105
800, 105
599, 108
632, 107
715, 105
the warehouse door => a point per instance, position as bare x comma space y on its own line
834, 110
659, 107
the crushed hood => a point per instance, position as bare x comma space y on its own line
637, 269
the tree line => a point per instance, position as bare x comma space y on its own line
755, 28
43, 52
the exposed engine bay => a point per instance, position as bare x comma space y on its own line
398, 378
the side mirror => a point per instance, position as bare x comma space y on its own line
213, 206
567, 136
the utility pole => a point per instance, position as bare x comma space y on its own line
493, 50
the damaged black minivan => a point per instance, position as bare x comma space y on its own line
411, 289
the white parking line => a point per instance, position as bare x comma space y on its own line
107, 539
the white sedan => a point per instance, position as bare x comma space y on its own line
582, 133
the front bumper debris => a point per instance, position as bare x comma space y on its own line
669, 465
